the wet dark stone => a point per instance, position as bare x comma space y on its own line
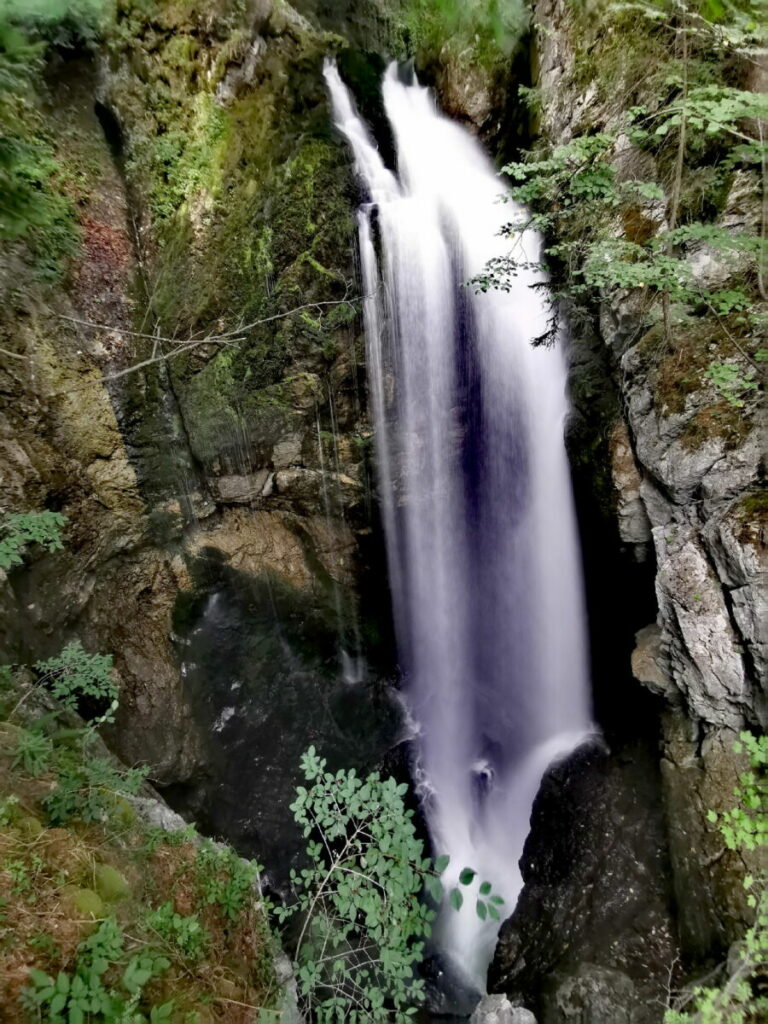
260, 663
592, 937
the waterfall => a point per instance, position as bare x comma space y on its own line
475, 494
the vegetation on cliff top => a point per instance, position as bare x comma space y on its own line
633, 205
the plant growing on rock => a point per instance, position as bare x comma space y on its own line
20, 529
739, 999
74, 675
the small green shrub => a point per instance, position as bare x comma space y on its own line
182, 932
84, 996
362, 921
740, 999
745, 827
75, 674
224, 879
33, 752
20, 529
88, 788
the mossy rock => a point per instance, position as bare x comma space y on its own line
83, 903
111, 884
29, 827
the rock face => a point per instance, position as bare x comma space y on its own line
218, 502
592, 936
689, 503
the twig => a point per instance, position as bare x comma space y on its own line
13, 355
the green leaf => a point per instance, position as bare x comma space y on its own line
441, 863
485, 889
57, 1004
466, 876
456, 899
434, 887
481, 909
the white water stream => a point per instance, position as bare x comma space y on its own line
475, 494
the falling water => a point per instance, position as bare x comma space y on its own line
475, 495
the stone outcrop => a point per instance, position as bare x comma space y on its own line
592, 937
499, 1010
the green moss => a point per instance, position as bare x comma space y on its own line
248, 214
110, 884
677, 368
85, 903
756, 504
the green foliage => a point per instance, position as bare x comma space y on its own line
491, 28
30, 203
611, 234
84, 995
186, 160
9, 809
33, 752
87, 788
74, 674
47, 874
20, 529
225, 879
745, 827
732, 381
182, 932
739, 999
157, 837
362, 923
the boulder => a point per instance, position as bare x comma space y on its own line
499, 1010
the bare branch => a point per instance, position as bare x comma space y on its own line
13, 355
230, 337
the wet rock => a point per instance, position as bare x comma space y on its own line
314, 491
699, 774
130, 612
634, 525
737, 543
595, 995
499, 1010
649, 662
242, 489
287, 451
705, 656
157, 813
280, 543
594, 870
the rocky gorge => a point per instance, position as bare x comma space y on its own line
183, 372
